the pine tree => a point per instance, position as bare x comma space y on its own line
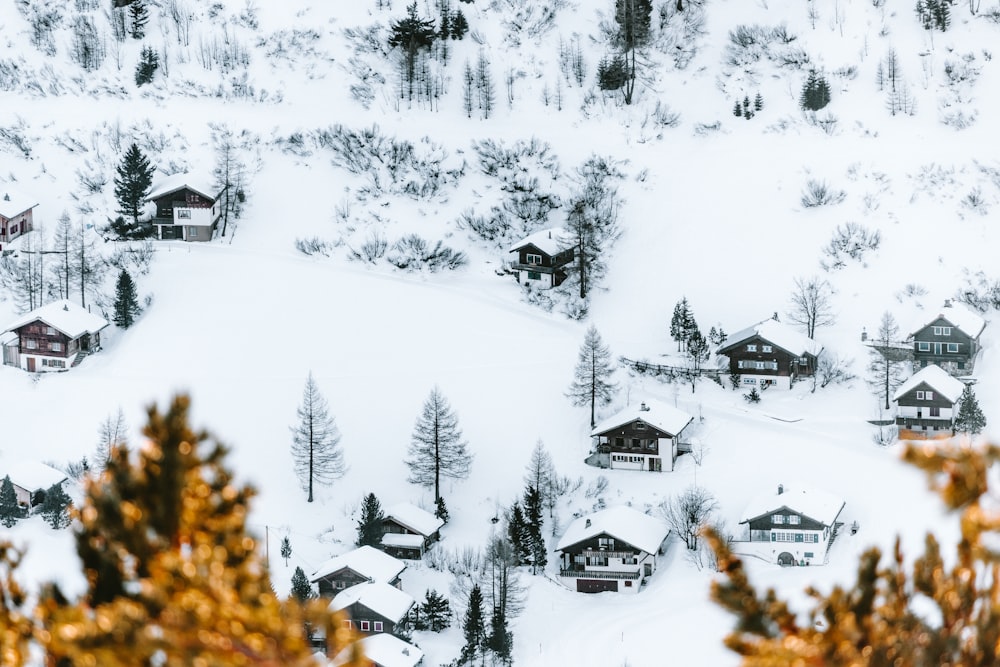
459, 25
517, 533
412, 35
55, 507
436, 446
698, 353
139, 15
316, 450
970, 417
149, 62
680, 323
758, 102
301, 588
500, 640
474, 626
286, 549
370, 528
737, 109
436, 611
592, 379
440, 509
537, 550
10, 511
126, 304
815, 92
133, 183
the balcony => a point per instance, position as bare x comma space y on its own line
621, 555
517, 266
599, 574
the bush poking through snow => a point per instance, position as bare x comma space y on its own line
850, 241
413, 253
753, 396
312, 246
819, 193
372, 249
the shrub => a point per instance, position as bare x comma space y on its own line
850, 241
818, 193
412, 253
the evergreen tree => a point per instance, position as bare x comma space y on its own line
592, 379
537, 551
970, 417
633, 19
517, 533
133, 183
316, 450
474, 626
126, 303
10, 511
436, 611
680, 323
698, 353
55, 507
459, 25
139, 15
412, 35
286, 549
612, 73
815, 92
301, 588
436, 446
440, 509
500, 640
737, 109
370, 528
149, 62
758, 102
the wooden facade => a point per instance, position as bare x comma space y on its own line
185, 213
411, 549
944, 344
925, 412
605, 563
638, 442
540, 267
367, 622
43, 347
760, 357
792, 528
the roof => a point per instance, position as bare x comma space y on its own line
414, 518
385, 650
659, 415
200, 183
408, 540
622, 522
65, 316
546, 240
13, 202
961, 317
937, 378
381, 598
366, 561
776, 333
32, 475
816, 504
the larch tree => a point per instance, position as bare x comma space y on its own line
810, 304
62, 243
592, 378
111, 433
86, 264
133, 182
316, 452
436, 447
887, 358
126, 301
541, 474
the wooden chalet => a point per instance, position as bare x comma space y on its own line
792, 527
374, 607
770, 353
16, 215
52, 338
611, 550
31, 480
642, 437
361, 565
188, 208
950, 339
409, 531
542, 258
927, 404
383, 651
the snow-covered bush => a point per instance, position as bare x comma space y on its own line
372, 249
833, 369
850, 241
413, 253
819, 193
980, 292
312, 246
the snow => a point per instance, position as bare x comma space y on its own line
777, 333
32, 475
65, 316
366, 561
937, 379
416, 519
403, 540
13, 202
384, 650
961, 317
203, 184
655, 413
546, 240
380, 597
622, 522
814, 503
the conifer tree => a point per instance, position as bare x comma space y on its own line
474, 626
517, 533
370, 528
633, 19
316, 451
436, 611
440, 509
126, 302
459, 25
500, 640
139, 15
815, 92
412, 35
133, 183
970, 417
537, 551
286, 549
680, 323
737, 109
10, 511
698, 353
149, 62
758, 102
55, 507
436, 446
592, 378
301, 588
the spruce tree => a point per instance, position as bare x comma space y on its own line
592, 377
436, 611
970, 417
10, 511
500, 640
737, 109
436, 447
126, 303
149, 62
680, 322
55, 507
758, 102
459, 25
440, 509
815, 92
301, 588
133, 182
316, 452
518, 534
139, 15
474, 626
370, 528
286, 549
537, 551
412, 35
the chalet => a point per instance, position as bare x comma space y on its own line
950, 339
383, 651
542, 258
188, 208
642, 437
374, 607
770, 353
31, 479
409, 531
15, 215
355, 567
52, 338
793, 527
927, 403
611, 550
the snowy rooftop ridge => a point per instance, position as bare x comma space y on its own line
959, 315
547, 240
658, 415
816, 504
383, 599
203, 184
383, 649
622, 522
12, 202
416, 519
32, 475
366, 561
937, 379
777, 333
65, 316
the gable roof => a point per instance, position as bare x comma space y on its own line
32, 475
414, 518
622, 522
961, 317
13, 202
659, 415
937, 379
367, 561
65, 316
776, 333
200, 183
383, 599
546, 240
385, 650
816, 504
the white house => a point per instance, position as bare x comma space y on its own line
29, 477
927, 403
642, 437
188, 207
792, 526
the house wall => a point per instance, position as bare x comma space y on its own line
588, 561
950, 361
332, 584
360, 613
778, 381
546, 273
777, 363
12, 228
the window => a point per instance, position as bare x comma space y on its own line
929, 395
751, 348
619, 442
30, 343
794, 519
778, 519
636, 444
533, 259
923, 347
628, 584
13, 229
606, 542
942, 331
920, 395
56, 346
50, 331
799, 537
809, 554
749, 381
935, 412
377, 626
765, 348
639, 426
364, 626
183, 214
803, 361
953, 348
534, 275
192, 232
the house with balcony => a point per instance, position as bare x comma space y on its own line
949, 339
188, 207
54, 337
542, 258
792, 526
16, 215
614, 549
374, 607
927, 404
770, 353
641, 437
366, 563
409, 531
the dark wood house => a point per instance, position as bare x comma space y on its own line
927, 404
950, 339
792, 527
409, 531
16, 215
361, 565
770, 354
542, 258
641, 437
53, 338
611, 550
188, 208
374, 607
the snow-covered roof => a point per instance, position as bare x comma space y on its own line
776, 333
658, 415
381, 598
32, 475
814, 503
414, 518
203, 184
366, 561
960, 316
622, 522
546, 240
937, 378
12, 202
65, 316
403, 540
384, 650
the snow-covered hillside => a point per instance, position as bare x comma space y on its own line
711, 210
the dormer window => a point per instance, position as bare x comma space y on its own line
751, 348
794, 519
533, 259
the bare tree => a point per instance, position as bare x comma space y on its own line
887, 357
541, 474
592, 379
810, 304
688, 512
315, 441
112, 433
437, 448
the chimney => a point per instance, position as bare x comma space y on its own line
643, 407
864, 334
406, 651
781, 489
947, 303
550, 233
6, 196
775, 317
587, 525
